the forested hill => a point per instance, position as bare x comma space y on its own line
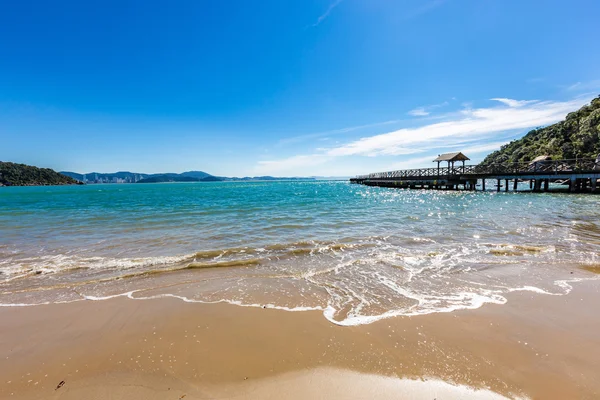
12, 174
578, 136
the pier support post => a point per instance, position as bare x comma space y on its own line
572, 185
506, 185
537, 185
584, 184
594, 184
483, 184
515, 184
546, 184
498, 185
531, 184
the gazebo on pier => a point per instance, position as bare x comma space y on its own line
582, 175
451, 158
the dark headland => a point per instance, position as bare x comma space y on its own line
12, 174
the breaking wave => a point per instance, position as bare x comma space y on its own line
357, 281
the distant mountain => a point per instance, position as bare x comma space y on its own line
578, 136
12, 174
189, 176
196, 174
133, 177
167, 178
211, 178
177, 178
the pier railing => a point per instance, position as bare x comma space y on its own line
557, 167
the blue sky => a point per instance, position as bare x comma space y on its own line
296, 87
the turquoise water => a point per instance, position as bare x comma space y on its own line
357, 253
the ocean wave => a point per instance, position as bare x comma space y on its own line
352, 281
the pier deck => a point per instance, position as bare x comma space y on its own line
578, 176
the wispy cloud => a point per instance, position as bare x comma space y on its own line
327, 12
291, 165
309, 136
583, 86
469, 123
419, 112
424, 111
514, 103
473, 130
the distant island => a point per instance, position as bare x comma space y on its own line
189, 176
12, 174
578, 136
136, 177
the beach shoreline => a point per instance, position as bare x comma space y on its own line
536, 346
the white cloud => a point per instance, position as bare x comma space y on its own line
327, 12
469, 130
425, 110
419, 112
583, 86
468, 124
302, 138
514, 103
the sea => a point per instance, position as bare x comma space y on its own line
356, 254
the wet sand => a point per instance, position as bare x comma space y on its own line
537, 346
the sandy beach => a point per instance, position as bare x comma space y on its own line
535, 346
299, 200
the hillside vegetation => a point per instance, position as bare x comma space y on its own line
578, 136
12, 174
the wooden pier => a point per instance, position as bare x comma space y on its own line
574, 176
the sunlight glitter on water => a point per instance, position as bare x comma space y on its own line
358, 254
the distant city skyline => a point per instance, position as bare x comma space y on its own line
295, 88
